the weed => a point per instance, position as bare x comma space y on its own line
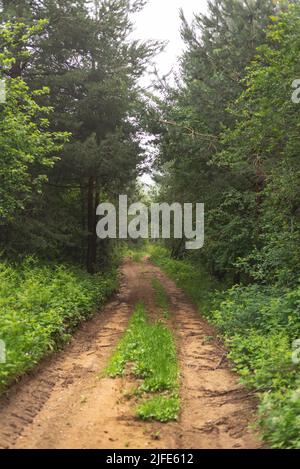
259, 324
150, 350
161, 298
40, 306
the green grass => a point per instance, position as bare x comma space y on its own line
161, 298
161, 408
40, 306
149, 349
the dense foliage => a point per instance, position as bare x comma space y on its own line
27, 147
229, 138
40, 306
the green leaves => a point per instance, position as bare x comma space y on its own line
72, 70
260, 325
264, 145
198, 164
280, 418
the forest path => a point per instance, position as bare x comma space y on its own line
66, 403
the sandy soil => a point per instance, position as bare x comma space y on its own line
67, 403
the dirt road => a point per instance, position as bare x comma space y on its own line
67, 403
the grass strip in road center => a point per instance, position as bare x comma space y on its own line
149, 349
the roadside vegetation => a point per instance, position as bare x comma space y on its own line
40, 306
259, 326
147, 351
135, 252
224, 133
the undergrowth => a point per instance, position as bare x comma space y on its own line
193, 279
135, 253
40, 305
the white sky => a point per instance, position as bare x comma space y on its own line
160, 20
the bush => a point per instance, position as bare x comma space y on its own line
280, 418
